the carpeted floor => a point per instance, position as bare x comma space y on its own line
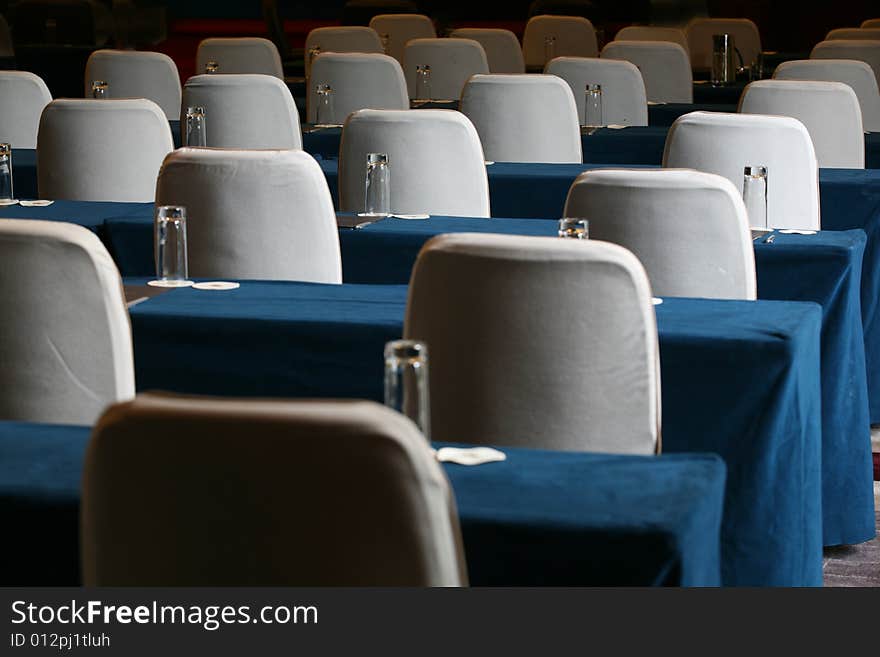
855, 565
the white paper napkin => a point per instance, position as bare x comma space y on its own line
795, 231
217, 285
469, 455
35, 204
616, 126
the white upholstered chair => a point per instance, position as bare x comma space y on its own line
452, 62
659, 214
856, 74
863, 51
653, 33
358, 81
746, 36
400, 29
228, 508
101, 150
435, 159
664, 65
137, 74
66, 339
524, 118
258, 214
345, 38
624, 101
22, 99
240, 55
829, 110
862, 33
724, 144
537, 342
503, 50
575, 37
244, 110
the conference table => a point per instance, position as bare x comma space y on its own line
539, 518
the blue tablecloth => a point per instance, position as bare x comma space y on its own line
707, 94
740, 379
664, 114
538, 518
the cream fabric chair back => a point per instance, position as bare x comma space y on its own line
829, 110
503, 50
254, 214
400, 29
659, 214
856, 74
66, 339
624, 101
653, 33
524, 118
229, 509
745, 34
240, 55
244, 111
346, 38
137, 74
575, 37
452, 62
863, 51
724, 144
101, 150
358, 81
22, 99
665, 68
435, 159
861, 33
537, 342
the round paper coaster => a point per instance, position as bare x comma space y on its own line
216, 285
35, 204
169, 283
411, 216
656, 301
796, 231
8, 201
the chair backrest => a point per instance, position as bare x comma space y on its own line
244, 110
346, 38
871, 23
452, 62
101, 150
624, 101
398, 29
659, 214
664, 65
575, 37
22, 99
503, 50
240, 55
254, 214
653, 33
137, 74
6, 49
856, 74
66, 339
206, 492
524, 118
358, 81
860, 33
721, 143
537, 342
435, 159
863, 51
829, 110
746, 37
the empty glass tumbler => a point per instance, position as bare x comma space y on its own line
549, 48
211, 66
574, 228
423, 82
196, 134
170, 247
593, 117
723, 62
324, 114
100, 89
755, 195
6, 196
406, 381
377, 194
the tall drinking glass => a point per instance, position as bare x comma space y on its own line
100, 89
324, 114
211, 67
6, 197
406, 381
196, 134
574, 228
755, 195
549, 48
593, 106
423, 82
723, 64
170, 244
377, 194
